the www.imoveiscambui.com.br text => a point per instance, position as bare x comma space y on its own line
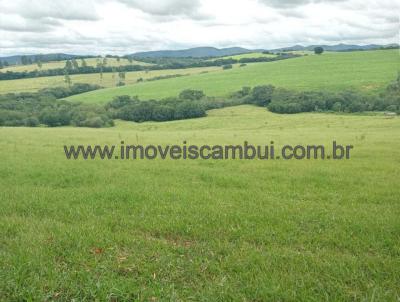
215, 152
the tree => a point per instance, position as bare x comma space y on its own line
121, 80
39, 64
261, 95
68, 65
67, 78
83, 63
100, 66
24, 60
75, 64
318, 50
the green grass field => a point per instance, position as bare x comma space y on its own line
367, 71
236, 230
108, 80
61, 64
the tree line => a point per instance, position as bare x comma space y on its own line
281, 100
44, 108
73, 68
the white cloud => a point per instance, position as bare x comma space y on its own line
126, 26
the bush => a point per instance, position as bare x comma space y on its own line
163, 113
31, 122
187, 110
318, 50
261, 95
227, 66
190, 94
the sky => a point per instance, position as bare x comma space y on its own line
127, 26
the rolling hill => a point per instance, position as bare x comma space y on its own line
366, 70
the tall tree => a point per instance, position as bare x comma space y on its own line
318, 50
67, 78
75, 64
68, 65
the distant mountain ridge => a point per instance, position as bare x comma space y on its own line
197, 52
337, 47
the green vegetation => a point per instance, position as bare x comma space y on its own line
43, 108
368, 71
199, 230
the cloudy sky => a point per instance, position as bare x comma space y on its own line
127, 26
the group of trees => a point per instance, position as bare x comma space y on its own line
187, 105
33, 109
282, 100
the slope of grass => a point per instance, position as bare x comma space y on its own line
61, 64
248, 55
368, 71
108, 80
162, 230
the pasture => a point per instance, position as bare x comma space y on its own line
108, 80
61, 64
369, 71
235, 230
248, 55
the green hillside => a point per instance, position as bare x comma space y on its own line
247, 56
364, 70
107, 80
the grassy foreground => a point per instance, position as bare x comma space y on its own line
364, 70
202, 230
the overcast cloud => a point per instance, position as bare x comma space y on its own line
127, 26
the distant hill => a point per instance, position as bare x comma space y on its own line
337, 47
197, 52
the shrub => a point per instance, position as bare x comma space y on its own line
191, 94
187, 110
318, 50
31, 122
261, 95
